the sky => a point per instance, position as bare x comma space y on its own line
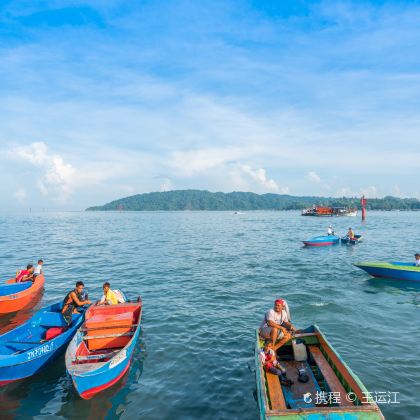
104, 99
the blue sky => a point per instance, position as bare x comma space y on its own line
104, 99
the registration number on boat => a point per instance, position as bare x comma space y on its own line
39, 351
118, 358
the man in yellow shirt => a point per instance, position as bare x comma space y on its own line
109, 297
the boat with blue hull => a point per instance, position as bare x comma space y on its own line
325, 240
100, 353
27, 349
392, 270
353, 241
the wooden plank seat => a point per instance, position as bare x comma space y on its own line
275, 392
329, 375
106, 331
92, 337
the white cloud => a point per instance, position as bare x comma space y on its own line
370, 192
166, 185
189, 162
345, 192
396, 191
56, 177
260, 176
20, 195
313, 176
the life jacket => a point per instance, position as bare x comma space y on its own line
22, 274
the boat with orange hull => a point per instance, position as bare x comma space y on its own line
15, 296
100, 354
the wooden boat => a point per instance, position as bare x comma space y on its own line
28, 348
15, 296
323, 240
100, 353
333, 391
354, 241
392, 270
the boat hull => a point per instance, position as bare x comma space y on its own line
89, 379
21, 358
322, 241
14, 302
397, 271
347, 240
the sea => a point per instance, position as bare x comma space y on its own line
206, 280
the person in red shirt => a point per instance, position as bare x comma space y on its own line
25, 275
268, 359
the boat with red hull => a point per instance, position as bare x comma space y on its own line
100, 353
16, 295
322, 240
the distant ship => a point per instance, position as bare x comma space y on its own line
321, 211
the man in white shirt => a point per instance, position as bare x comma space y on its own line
276, 322
417, 262
330, 230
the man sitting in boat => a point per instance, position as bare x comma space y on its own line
74, 300
330, 230
25, 275
268, 359
276, 322
109, 297
350, 234
417, 261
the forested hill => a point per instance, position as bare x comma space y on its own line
205, 200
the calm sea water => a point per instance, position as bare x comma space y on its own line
206, 279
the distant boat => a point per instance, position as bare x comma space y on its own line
354, 241
15, 296
238, 212
326, 211
324, 370
325, 240
392, 270
100, 353
28, 348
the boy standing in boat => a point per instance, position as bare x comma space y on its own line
38, 269
417, 261
276, 323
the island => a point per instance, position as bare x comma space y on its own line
205, 200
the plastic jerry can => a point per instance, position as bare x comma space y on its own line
299, 350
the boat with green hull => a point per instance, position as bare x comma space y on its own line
396, 270
331, 392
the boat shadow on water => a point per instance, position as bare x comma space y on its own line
51, 392
395, 287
